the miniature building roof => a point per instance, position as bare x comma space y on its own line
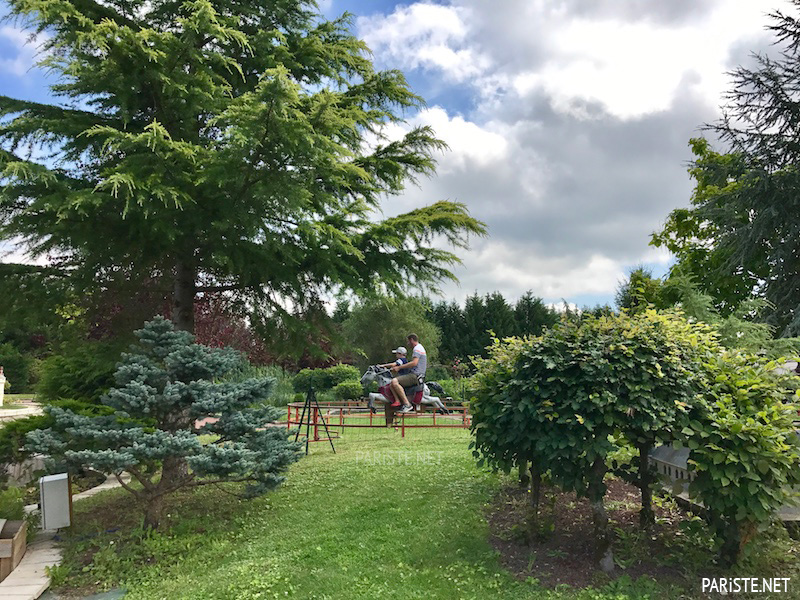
676, 457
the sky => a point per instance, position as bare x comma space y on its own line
568, 122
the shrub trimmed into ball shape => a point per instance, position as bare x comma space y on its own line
557, 399
164, 399
348, 390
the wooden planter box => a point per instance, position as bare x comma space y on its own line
12, 545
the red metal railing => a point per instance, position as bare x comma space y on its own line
351, 414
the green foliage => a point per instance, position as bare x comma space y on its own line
348, 390
739, 236
740, 326
743, 449
282, 392
163, 387
13, 434
457, 389
641, 291
324, 379
465, 332
376, 327
17, 368
559, 400
81, 371
241, 146
12, 506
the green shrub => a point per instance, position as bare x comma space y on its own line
80, 372
18, 368
13, 433
438, 373
282, 391
743, 450
340, 373
12, 436
348, 390
455, 389
324, 379
12, 506
558, 400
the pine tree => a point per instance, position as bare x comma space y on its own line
217, 146
165, 387
533, 315
740, 238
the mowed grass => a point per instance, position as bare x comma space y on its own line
384, 517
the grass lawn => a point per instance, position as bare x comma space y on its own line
381, 518
14, 400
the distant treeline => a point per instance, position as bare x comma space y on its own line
465, 330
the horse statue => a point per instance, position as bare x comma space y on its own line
417, 394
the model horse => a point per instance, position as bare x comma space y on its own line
418, 394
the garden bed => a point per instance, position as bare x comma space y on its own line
562, 554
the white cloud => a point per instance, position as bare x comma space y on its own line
26, 48
428, 36
631, 68
470, 144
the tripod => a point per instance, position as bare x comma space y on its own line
310, 407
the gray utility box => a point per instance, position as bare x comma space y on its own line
55, 501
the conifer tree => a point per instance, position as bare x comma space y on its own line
165, 391
219, 146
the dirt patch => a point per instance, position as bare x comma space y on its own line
562, 552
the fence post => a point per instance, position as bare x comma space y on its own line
2, 386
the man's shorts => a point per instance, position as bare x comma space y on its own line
408, 380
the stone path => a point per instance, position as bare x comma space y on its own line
29, 580
9, 414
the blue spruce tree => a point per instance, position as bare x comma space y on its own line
164, 387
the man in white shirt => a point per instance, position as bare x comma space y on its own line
418, 365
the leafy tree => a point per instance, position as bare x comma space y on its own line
641, 291
240, 145
375, 327
741, 235
743, 449
163, 388
559, 400
17, 367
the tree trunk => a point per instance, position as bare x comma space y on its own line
731, 544
523, 473
534, 531
183, 295
174, 474
603, 554
646, 516
152, 511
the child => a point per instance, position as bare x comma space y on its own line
400, 356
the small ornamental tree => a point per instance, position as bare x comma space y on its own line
562, 396
504, 437
743, 450
164, 400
